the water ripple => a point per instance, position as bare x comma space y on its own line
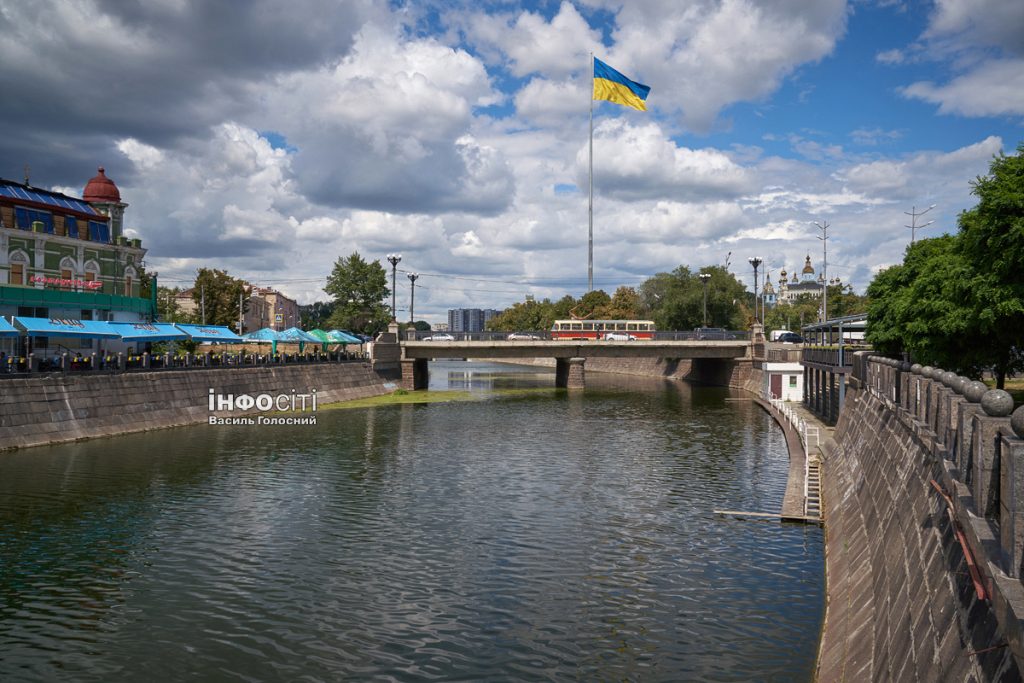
547, 537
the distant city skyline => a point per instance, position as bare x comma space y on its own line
269, 141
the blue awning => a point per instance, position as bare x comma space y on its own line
148, 332
66, 327
210, 333
7, 329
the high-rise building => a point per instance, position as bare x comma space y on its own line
469, 319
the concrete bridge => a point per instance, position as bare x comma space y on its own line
570, 356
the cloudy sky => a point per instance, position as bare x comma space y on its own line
269, 138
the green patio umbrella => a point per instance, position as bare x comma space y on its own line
322, 336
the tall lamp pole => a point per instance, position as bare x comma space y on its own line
824, 226
756, 262
913, 213
394, 260
704, 277
412, 299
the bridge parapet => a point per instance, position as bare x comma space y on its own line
975, 441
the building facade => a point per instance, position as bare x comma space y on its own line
68, 257
469, 319
807, 283
276, 310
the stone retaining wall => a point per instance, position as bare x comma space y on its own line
922, 494
55, 408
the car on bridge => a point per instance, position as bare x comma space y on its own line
790, 338
619, 336
713, 334
441, 336
523, 336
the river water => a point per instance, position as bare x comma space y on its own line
534, 534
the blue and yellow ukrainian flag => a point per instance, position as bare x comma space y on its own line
610, 85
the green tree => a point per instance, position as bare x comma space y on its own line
958, 302
217, 295
526, 316
676, 300
843, 301
992, 242
624, 305
793, 314
925, 307
359, 289
316, 315
591, 303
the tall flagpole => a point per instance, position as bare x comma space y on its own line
590, 234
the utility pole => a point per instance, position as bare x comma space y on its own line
824, 268
202, 291
913, 213
240, 312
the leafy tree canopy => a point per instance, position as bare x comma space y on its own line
359, 290
217, 295
676, 300
957, 302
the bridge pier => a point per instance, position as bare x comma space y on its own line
570, 373
414, 374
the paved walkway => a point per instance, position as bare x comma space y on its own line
802, 500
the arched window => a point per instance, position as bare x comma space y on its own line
67, 272
18, 268
129, 277
92, 272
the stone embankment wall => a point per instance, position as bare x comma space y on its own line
924, 501
55, 408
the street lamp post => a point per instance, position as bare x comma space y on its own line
704, 277
394, 260
913, 213
412, 299
756, 262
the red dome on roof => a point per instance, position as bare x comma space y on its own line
101, 189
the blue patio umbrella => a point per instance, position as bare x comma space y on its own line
294, 334
267, 335
343, 337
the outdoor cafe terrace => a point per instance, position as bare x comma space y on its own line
218, 346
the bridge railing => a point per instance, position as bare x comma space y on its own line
533, 335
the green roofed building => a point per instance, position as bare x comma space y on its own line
65, 257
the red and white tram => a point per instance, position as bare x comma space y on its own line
612, 330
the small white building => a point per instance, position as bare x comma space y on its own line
784, 375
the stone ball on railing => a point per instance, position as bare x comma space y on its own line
927, 371
916, 368
1017, 422
905, 366
959, 383
975, 390
997, 403
949, 378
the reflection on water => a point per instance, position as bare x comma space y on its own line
547, 535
